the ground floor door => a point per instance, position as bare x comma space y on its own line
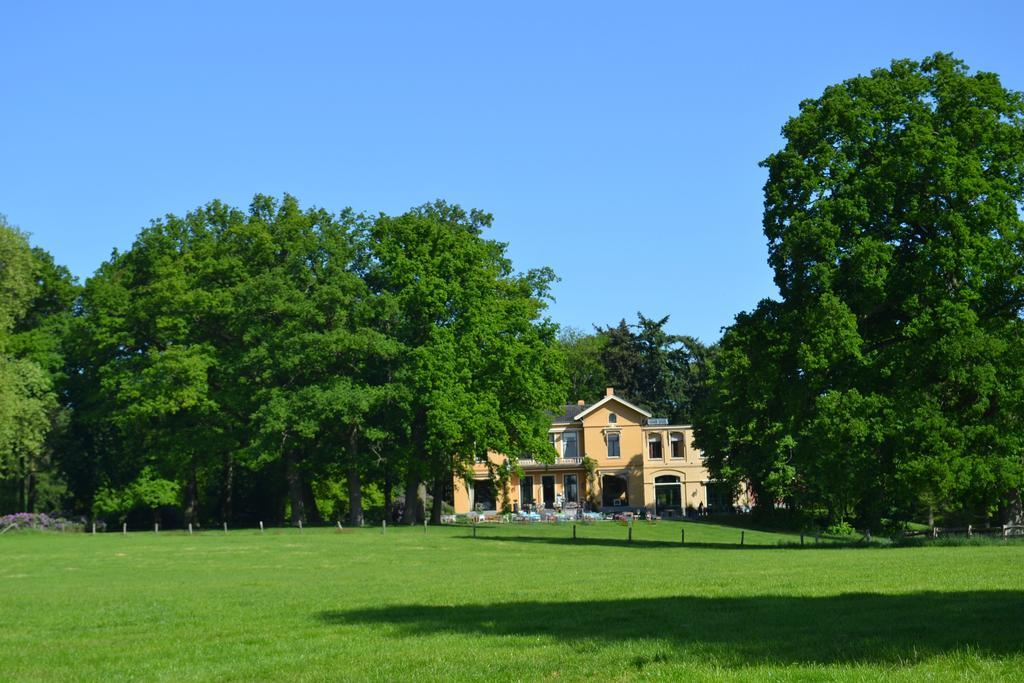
547, 486
571, 488
668, 499
483, 495
525, 493
614, 492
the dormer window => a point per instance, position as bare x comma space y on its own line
612, 418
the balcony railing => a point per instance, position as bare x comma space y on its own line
530, 462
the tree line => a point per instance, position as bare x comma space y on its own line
288, 364
241, 364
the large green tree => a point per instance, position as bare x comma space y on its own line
227, 345
889, 378
587, 377
316, 363
666, 373
154, 381
35, 309
478, 365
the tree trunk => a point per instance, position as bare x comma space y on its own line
33, 493
294, 478
436, 505
309, 504
227, 506
413, 510
421, 502
355, 494
22, 486
1015, 509
412, 500
192, 497
388, 497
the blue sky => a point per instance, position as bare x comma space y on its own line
616, 142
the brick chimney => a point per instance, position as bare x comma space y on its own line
581, 403
610, 391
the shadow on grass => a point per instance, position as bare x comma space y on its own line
582, 540
848, 628
618, 542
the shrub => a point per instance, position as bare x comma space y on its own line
40, 520
840, 529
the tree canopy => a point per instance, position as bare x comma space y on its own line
35, 308
887, 380
666, 373
587, 376
278, 362
479, 368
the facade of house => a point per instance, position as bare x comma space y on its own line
634, 462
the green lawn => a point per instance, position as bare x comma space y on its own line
517, 602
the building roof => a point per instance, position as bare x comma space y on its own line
586, 410
569, 413
574, 412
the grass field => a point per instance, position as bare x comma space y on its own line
522, 603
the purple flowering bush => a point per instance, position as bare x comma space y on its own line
38, 520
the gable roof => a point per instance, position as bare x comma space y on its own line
589, 409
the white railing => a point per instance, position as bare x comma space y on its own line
530, 462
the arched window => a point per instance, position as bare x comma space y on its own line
678, 445
612, 418
668, 495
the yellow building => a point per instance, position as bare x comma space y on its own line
638, 462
